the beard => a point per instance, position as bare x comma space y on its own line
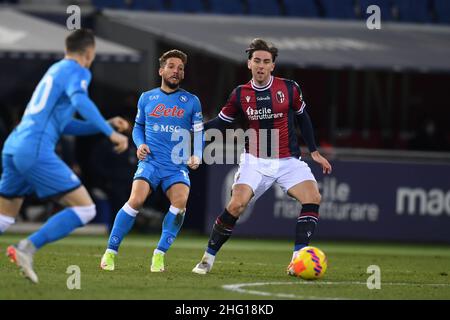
171, 85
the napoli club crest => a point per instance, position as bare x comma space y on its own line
183, 98
280, 96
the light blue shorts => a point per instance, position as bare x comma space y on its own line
166, 176
46, 175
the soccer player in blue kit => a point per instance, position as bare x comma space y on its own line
162, 112
30, 163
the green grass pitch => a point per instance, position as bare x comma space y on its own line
244, 269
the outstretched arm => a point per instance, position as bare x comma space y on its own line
218, 123
88, 110
83, 128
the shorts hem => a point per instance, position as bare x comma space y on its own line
7, 196
146, 180
164, 190
59, 194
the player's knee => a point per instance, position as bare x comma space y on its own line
179, 201
85, 213
136, 202
236, 207
314, 198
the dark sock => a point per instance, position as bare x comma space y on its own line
306, 224
221, 231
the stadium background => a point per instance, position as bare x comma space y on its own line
382, 120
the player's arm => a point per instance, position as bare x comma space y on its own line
76, 90
88, 110
139, 131
226, 116
78, 127
307, 131
197, 128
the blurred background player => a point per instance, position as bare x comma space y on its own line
268, 103
30, 163
161, 112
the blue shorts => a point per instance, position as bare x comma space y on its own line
46, 175
155, 175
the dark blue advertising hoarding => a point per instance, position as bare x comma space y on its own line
360, 201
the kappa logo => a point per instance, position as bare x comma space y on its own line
247, 98
280, 96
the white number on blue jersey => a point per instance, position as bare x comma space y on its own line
40, 96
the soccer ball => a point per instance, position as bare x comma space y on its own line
310, 264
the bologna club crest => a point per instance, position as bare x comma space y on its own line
280, 96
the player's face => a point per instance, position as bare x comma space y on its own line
89, 56
261, 65
172, 72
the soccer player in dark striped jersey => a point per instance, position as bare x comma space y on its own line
277, 105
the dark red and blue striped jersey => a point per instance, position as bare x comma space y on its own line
273, 106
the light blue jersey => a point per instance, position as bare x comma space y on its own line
50, 110
161, 116
30, 163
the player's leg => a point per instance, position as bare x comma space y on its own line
79, 210
9, 209
177, 194
124, 221
50, 177
308, 194
223, 226
13, 188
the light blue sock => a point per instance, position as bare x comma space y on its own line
171, 226
122, 225
57, 227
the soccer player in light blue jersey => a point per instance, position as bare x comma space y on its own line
30, 163
163, 115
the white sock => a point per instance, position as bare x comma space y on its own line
5, 222
111, 251
209, 258
129, 210
174, 210
158, 251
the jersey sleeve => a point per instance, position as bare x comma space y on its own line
78, 82
298, 104
197, 127
197, 116
139, 126
230, 109
140, 115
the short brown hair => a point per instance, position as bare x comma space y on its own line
172, 54
260, 44
79, 40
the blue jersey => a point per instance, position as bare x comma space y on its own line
161, 117
61, 92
